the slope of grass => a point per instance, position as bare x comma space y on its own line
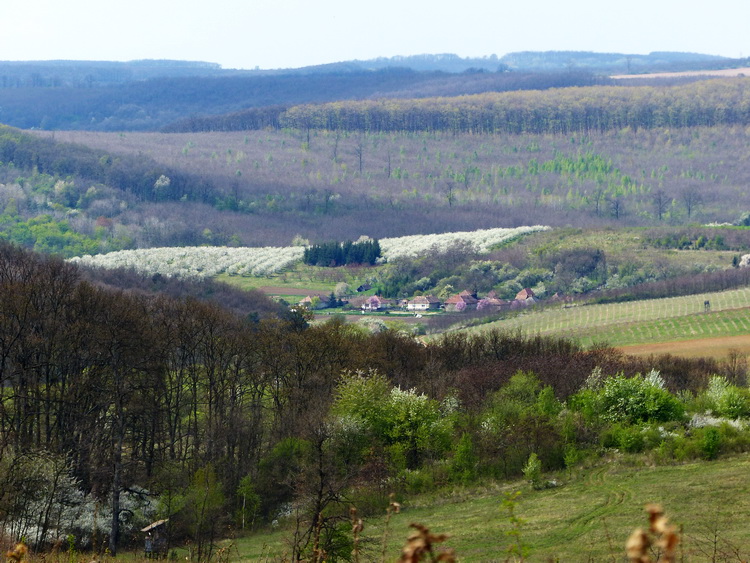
586, 518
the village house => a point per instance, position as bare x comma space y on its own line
464, 301
492, 304
423, 303
375, 303
526, 295
315, 302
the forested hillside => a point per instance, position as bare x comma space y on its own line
573, 110
263, 187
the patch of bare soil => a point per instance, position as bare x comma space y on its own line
704, 347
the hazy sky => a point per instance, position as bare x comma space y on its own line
294, 33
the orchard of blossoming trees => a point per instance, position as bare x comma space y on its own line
199, 261
480, 241
206, 261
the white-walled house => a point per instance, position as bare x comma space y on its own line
423, 303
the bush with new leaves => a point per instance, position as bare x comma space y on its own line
630, 400
408, 424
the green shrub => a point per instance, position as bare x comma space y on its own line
630, 439
735, 403
463, 465
653, 436
726, 399
547, 404
710, 443
532, 471
411, 426
572, 457
638, 399
734, 439
417, 481
609, 436
587, 403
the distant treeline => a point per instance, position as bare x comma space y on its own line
338, 254
412, 85
597, 108
563, 110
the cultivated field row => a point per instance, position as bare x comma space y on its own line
731, 322
672, 318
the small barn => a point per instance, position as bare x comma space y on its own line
155, 543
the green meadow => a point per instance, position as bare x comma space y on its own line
588, 516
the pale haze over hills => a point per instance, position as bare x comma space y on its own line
297, 33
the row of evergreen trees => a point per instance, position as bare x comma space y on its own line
337, 254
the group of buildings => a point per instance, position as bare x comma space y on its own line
460, 302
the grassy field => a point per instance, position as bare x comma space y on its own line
301, 277
587, 518
639, 322
624, 245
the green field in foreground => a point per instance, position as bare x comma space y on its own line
636, 322
588, 517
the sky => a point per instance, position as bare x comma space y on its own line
295, 33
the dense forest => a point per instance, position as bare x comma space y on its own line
125, 402
560, 111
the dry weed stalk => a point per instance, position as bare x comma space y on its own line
661, 535
357, 526
18, 553
420, 544
393, 508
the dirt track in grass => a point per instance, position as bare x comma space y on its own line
703, 347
